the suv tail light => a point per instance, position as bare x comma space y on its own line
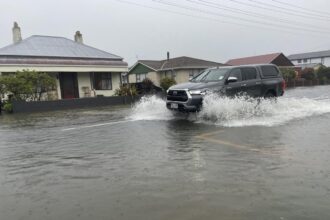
283, 85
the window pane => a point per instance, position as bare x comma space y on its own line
236, 73
102, 81
269, 71
249, 73
140, 77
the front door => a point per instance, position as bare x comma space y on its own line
235, 88
69, 85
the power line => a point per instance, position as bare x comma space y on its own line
236, 18
215, 20
248, 13
289, 10
304, 9
290, 13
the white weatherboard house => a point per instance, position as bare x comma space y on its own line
80, 70
311, 59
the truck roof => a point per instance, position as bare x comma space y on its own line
249, 65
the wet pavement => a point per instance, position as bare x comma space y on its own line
234, 160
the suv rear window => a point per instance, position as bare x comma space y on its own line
269, 71
249, 73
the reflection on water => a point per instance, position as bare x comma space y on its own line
161, 169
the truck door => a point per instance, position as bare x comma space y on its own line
251, 81
235, 88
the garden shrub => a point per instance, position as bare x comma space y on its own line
166, 83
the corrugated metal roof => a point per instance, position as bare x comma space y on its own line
317, 54
49, 46
51, 61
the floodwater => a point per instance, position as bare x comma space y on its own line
234, 160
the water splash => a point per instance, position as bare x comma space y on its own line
151, 108
237, 112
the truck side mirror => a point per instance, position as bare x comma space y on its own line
232, 79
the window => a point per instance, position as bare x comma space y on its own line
170, 74
140, 77
299, 61
124, 78
269, 71
211, 75
249, 73
305, 60
236, 73
102, 81
322, 60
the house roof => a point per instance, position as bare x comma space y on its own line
152, 64
325, 53
177, 63
48, 46
268, 58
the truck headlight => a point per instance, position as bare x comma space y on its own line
197, 92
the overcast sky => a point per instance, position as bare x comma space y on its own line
216, 30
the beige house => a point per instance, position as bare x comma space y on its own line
180, 68
80, 70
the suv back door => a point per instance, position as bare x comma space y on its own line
251, 81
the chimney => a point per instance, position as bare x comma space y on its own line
78, 37
168, 55
17, 36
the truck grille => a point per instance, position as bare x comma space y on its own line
177, 95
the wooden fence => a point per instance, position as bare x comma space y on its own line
303, 82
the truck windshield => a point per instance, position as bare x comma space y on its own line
211, 75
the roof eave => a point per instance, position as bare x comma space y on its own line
139, 62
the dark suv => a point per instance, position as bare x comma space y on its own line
254, 80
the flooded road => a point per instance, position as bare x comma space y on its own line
233, 160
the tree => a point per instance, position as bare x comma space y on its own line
323, 73
166, 83
308, 74
288, 73
27, 85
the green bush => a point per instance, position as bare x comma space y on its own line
126, 90
288, 73
323, 73
8, 107
147, 85
308, 74
27, 85
166, 83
